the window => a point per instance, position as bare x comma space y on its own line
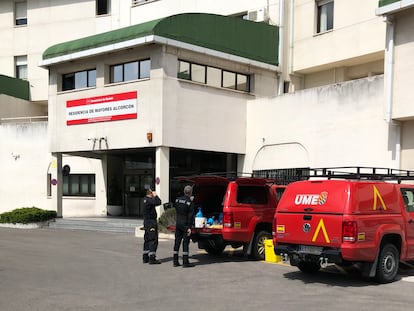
184, 70
325, 15
198, 73
408, 198
130, 71
229, 80
213, 76
79, 80
21, 67
20, 13
79, 185
252, 195
102, 7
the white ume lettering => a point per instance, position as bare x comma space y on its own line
306, 199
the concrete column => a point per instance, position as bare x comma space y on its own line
59, 187
162, 176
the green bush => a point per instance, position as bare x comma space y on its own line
27, 215
166, 219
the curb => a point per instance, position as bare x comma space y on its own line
33, 225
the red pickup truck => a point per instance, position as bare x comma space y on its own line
240, 212
369, 224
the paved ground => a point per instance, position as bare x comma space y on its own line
51, 269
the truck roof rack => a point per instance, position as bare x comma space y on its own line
287, 176
361, 173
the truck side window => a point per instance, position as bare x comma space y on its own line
408, 197
252, 195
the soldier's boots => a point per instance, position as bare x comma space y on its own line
153, 260
175, 261
145, 258
186, 263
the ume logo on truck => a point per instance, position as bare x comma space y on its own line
311, 199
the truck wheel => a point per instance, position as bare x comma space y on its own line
258, 247
388, 263
214, 247
309, 267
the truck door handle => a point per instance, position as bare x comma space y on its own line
410, 221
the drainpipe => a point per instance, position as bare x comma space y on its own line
281, 45
291, 35
389, 85
389, 63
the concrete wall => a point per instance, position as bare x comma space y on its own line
12, 107
336, 125
25, 163
157, 9
403, 66
357, 38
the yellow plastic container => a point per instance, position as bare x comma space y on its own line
270, 255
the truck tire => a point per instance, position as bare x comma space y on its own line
214, 247
258, 247
309, 267
388, 263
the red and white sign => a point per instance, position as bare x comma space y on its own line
102, 108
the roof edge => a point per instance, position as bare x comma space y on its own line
393, 6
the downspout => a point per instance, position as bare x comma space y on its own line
291, 24
389, 88
389, 63
281, 45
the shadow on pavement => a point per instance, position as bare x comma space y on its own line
351, 276
229, 255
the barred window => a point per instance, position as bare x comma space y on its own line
284, 176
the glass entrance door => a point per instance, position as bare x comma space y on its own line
135, 190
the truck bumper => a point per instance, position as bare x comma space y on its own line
296, 254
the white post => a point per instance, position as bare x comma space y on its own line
162, 176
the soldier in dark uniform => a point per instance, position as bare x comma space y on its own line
184, 210
151, 200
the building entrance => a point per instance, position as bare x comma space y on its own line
135, 189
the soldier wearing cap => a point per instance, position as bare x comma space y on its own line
184, 210
151, 200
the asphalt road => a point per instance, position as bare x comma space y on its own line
55, 269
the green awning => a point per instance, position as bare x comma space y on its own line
231, 35
386, 7
14, 87
386, 2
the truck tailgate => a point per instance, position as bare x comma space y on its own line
309, 229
